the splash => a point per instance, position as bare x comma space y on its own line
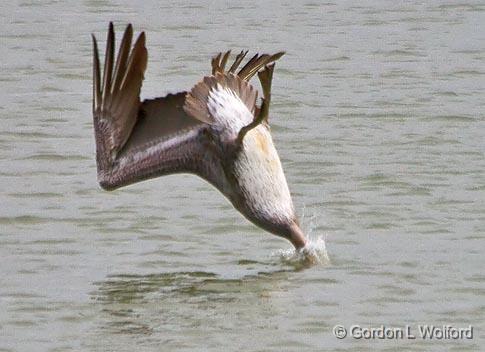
314, 253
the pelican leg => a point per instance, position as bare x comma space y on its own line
257, 120
265, 77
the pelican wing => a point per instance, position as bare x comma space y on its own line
139, 140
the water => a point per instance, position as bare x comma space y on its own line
378, 118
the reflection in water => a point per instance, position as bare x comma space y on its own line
127, 289
140, 304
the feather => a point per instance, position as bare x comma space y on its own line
108, 64
196, 102
237, 61
96, 76
256, 63
122, 59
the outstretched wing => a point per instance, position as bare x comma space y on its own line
140, 140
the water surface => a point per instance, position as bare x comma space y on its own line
378, 117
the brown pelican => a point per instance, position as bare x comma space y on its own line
215, 131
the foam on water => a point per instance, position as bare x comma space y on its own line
314, 253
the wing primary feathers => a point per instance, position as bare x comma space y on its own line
108, 64
122, 59
117, 95
237, 61
248, 65
96, 76
215, 63
138, 59
126, 101
219, 62
252, 67
256, 63
223, 62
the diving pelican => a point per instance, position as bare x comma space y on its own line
215, 131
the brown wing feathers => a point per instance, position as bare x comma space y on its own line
122, 59
256, 63
196, 102
237, 61
96, 76
197, 99
117, 97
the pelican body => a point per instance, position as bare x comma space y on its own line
215, 131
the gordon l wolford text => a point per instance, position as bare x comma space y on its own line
425, 332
